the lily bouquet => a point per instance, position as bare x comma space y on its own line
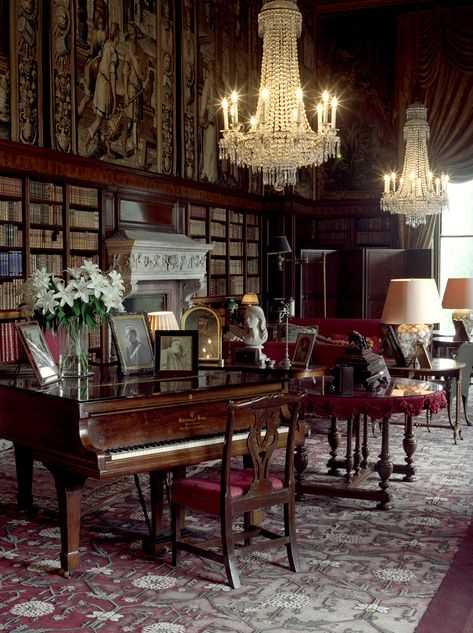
77, 305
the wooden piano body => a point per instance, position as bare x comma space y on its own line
109, 426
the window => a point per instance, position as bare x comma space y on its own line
456, 240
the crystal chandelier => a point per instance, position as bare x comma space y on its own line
278, 139
418, 193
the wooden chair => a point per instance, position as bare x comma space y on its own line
266, 422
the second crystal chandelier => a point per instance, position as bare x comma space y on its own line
278, 139
418, 193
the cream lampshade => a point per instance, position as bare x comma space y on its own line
250, 299
163, 320
413, 305
458, 296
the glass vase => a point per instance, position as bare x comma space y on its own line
73, 350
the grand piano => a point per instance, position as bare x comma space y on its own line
111, 426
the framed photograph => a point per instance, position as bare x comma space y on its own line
38, 352
132, 339
246, 356
206, 323
303, 349
391, 347
423, 357
176, 353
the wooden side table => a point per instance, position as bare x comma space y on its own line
444, 346
402, 395
448, 373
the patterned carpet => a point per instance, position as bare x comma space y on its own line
364, 571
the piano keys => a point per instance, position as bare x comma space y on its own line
108, 426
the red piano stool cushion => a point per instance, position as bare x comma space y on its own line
204, 494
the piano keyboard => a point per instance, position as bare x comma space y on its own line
177, 445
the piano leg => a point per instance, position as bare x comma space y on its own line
154, 543
69, 488
24, 477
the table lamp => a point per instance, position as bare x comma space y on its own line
278, 245
413, 305
458, 296
250, 299
162, 320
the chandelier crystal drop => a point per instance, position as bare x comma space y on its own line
418, 193
278, 139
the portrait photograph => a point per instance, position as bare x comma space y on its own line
176, 353
38, 352
133, 343
303, 349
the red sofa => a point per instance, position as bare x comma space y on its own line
336, 330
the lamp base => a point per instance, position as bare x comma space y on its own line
410, 335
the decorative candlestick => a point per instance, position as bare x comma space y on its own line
286, 363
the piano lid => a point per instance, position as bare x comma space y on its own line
108, 383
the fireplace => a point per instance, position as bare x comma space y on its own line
162, 271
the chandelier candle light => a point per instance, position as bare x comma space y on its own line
278, 139
418, 193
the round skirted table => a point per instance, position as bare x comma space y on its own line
400, 395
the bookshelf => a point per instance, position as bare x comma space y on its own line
234, 263
43, 224
353, 232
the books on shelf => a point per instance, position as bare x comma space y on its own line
10, 346
85, 196
84, 241
52, 263
10, 210
10, 294
84, 219
11, 186
11, 263
47, 238
45, 191
11, 235
43, 213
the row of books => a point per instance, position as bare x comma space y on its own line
197, 227
252, 249
11, 235
236, 285
52, 263
46, 238
236, 267
10, 294
218, 230
11, 263
219, 266
42, 213
85, 196
198, 212
85, 219
78, 260
10, 345
45, 191
218, 214
236, 231
252, 267
253, 285
85, 241
219, 249
252, 232
236, 249
10, 186
11, 210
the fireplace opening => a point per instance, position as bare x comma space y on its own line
152, 303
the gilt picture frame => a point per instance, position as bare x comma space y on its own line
303, 349
206, 322
38, 352
132, 338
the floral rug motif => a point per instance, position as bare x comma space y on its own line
363, 570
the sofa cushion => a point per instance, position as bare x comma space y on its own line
294, 330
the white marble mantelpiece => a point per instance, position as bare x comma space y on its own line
166, 264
